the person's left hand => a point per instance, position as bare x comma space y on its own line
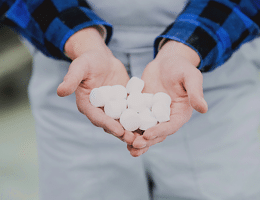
174, 72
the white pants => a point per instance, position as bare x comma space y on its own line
215, 156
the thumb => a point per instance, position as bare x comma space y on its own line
193, 84
72, 79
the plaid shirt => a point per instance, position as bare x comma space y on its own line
213, 28
48, 24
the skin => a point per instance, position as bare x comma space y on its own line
93, 66
173, 71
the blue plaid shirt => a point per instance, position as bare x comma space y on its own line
213, 28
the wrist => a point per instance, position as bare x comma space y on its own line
84, 40
174, 48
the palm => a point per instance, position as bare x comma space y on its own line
183, 82
92, 70
160, 78
100, 75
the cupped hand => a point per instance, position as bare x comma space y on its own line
174, 72
93, 66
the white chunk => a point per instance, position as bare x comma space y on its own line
161, 112
147, 121
135, 85
130, 120
118, 92
106, 91
114, 108
136, 102
123, 104
106, 88
97, 98
162, 97
146, 111
148, 99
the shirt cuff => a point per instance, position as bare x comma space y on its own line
70, 25
215, 37
50, 31
199, 38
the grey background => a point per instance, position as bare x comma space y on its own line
18, 153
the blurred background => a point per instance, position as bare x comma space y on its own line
18, 153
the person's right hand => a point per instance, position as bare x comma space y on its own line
93, 66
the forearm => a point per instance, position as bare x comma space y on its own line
214, 29
83, 41
49, 24
174, 48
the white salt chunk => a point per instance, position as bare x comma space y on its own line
114, 108
118, 92
123, 104
161, 112
147, 121
136, 101
130, 120
148, 99
146, 111
97, 98
135, 85
162, 97
106, 92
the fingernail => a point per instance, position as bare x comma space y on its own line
204, 102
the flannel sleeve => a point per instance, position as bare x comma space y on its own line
48, 24
214, 29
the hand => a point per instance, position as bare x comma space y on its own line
174, 72
93, 66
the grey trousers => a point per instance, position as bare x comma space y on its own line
214, 156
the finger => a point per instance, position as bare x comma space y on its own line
72, 79
140, 142
107, 131
193, 84
136, 152
97, 115
128, 137
177, 120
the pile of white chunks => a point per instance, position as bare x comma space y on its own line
134, 109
